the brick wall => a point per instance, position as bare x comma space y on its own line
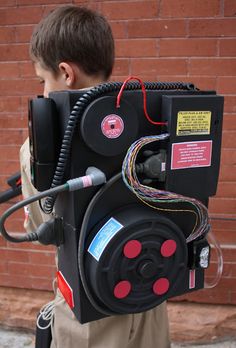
189, 40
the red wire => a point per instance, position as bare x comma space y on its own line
18, 183
144, 99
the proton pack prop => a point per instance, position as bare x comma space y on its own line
148, 155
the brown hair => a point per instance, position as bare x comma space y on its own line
74, 34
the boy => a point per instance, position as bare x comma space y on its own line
73, 48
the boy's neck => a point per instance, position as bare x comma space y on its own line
84, 80
88, 82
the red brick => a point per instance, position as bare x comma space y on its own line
222, 206
226, 283
9, 152
201, 82
42, 284
119, 29
136, 48
228, 139
20, 87
18, 281
26, 69
226, 189
8, 168
229, 123
233, 297
206, 296
21, 15
7, 34
41, 2
3, 184
4, 254
10, 137
49, 8
18, 214
31, 246
23, 33
16, 256
144, 77
42, 258
16, 220
14, 52
212, 269
121, 67
24, 269
229, 270
12, 121
10, 104
9, 70
190, 8
188, 47
230, 104
13, 225
8, 3
229, 254
227, 47
212, 27
80, 1
129, 10
25, 133
157, 28
212, 66
226, 84
158, 66
222, 224
229, 8
3, 242
225, 237
25, 100
3, 267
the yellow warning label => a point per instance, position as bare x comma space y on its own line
193, 122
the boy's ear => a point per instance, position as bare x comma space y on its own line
68, 73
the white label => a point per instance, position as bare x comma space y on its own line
103, 237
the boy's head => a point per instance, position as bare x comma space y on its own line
72, 47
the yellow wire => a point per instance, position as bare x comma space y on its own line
171, 210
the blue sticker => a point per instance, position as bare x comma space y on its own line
103, 237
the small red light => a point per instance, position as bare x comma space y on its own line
132, 249
122, 289
161, 286
168, 248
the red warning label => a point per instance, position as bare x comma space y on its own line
191, 154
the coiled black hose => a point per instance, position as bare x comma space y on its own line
77, 112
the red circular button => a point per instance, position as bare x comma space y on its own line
122, 289
132, 249
161, 286
112, 126
168, 248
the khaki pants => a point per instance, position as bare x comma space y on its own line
142, 330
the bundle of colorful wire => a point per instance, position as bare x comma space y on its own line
156, 198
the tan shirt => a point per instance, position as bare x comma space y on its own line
34, 216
